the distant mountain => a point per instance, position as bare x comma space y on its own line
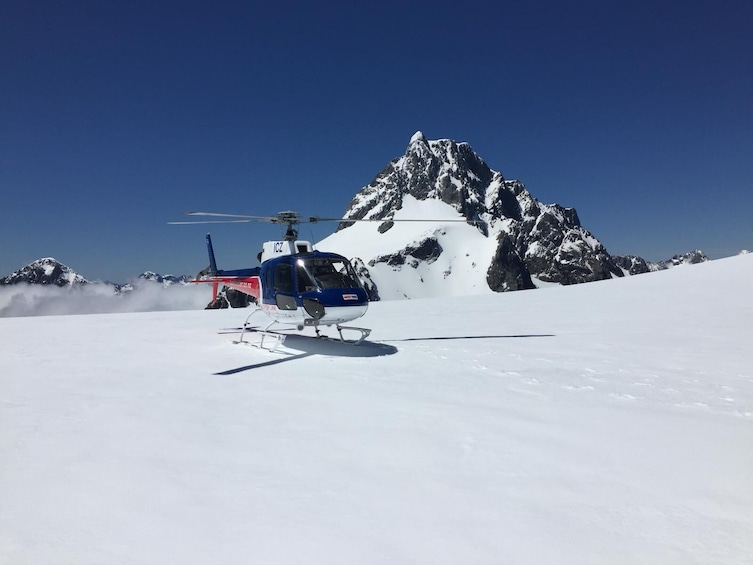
634, 265
45, 271
510, 240
48, 287
164, 280
690, 258
50, 271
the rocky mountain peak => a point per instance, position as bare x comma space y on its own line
45, 271
438, 169
418, 137
689, 258
531, 239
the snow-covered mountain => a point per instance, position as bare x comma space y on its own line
510, 240
164, 280
45, 271
634, 265
50, 271
690, 258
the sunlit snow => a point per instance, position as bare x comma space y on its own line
457, 271
608, 422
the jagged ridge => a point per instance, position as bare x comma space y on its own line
534, 241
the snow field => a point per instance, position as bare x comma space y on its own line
609, 422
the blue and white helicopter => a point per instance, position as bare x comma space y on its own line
295, 284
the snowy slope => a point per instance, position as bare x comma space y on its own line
456, 272
610, 422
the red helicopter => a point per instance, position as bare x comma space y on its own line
295, 284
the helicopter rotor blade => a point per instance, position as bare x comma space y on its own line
315, 219
211, 222
294, 218
239, 216
232, 218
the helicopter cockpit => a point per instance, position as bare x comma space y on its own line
317, 282
315, 273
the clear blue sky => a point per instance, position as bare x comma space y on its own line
116, 116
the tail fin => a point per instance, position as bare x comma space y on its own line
212, 266
212, 260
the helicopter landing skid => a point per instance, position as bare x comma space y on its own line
363, 331
276, 339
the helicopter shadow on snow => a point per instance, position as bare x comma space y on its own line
298, 347
309, 346
462, 337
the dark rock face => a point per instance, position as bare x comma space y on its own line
507, 270
559, 250
427, 251
633, 264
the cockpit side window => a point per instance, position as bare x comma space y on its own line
283, 278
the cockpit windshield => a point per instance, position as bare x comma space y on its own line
325, 272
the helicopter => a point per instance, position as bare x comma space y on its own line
295, 285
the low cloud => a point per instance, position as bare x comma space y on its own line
146, 296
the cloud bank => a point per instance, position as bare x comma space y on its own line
147, 296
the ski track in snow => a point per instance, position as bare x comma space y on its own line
609, 422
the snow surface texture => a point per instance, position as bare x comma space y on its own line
609, 422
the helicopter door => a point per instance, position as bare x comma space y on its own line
283, 286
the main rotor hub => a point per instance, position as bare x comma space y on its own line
291, 219
288, 217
